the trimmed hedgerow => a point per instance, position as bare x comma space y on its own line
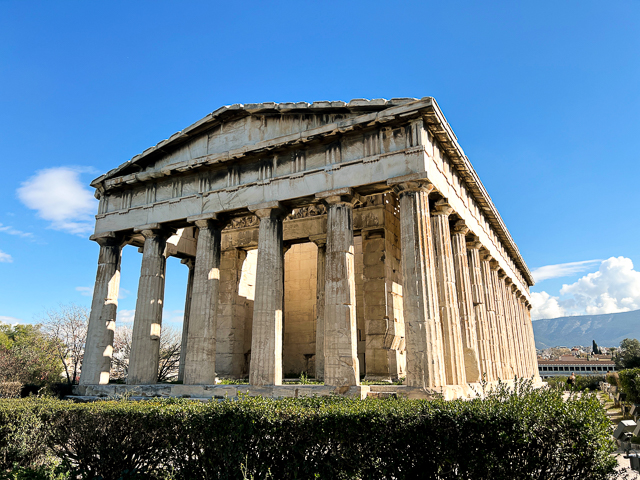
524, 433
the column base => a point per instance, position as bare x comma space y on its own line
220, 392
206, 392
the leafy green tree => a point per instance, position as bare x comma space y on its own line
28, 356
628, 355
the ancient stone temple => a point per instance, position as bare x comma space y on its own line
344, 240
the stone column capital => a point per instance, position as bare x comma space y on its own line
108, 239
474, 245
273, 210
412, 186
412, 181
206, 220
473, 242
319, 240
189, 262
502, 275
339, 196
493, 263
153, 230
485, 255
460, 228
443, 208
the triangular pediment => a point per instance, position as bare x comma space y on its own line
243, 126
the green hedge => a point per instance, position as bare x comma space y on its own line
523, 434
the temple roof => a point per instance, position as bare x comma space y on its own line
238, 110
359, 113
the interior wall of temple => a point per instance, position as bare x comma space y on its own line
299, 346
235, 312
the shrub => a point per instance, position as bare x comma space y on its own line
629, 381
23, 434
613, 379
524, 433
583, 382
10, 389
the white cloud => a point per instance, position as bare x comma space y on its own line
5, 257
615, 287
125, 316
13, 231
562, 269
168, 316
88, 292
10, 320
173, 316
58, 195
544, 305
85, 291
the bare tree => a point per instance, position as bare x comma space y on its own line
68, 327
121, 351
170, 343
170, 340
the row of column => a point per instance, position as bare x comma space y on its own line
464, 319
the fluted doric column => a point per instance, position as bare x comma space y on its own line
200, 362
505, 354
528, 326
519, 338
321, 242
492, 317
468, 328
447, 295
189, 262
523, 337
147, 323
508, 336
423, 330
268, 306
480, 310
341, 337
102, 320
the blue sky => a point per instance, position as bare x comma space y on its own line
543, 96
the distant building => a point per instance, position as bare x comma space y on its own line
567, 364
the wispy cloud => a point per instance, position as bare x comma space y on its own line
562, 269
10, 320
125, 316
14, 231
615, 287
88, 292
168, 317
5, 257
59, 197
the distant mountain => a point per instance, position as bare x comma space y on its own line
607, 330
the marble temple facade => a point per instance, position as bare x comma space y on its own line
343, 240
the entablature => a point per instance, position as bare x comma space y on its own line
361, 152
